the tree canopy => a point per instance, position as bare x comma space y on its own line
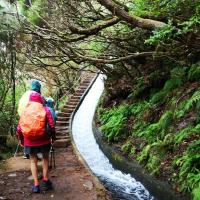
147, 49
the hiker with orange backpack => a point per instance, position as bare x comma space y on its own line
32, 134
35, 87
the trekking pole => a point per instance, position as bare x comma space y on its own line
53, 155
50, 161
17, 148
54, 161
52, 158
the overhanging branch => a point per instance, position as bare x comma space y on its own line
95, 29
112, 61
131, 19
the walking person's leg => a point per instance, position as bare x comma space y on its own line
45, 165
34, 171
46, 183
26, 156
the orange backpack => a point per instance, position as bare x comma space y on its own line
33, 120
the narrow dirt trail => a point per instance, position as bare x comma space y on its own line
71, 179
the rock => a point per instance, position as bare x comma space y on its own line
2, 182
17, 190
12, 175
88, 185
30, 178
182, 125
3, 198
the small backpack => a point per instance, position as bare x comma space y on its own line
33, 120
23, 102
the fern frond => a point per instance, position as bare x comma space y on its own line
166, 120
193, 100
196, 193
194, 72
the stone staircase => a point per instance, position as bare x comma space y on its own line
62, 125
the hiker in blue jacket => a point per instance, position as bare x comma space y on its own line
50, 104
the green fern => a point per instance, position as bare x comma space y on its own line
194, 147
194, 72
172, 83
161, 146
153, 164
139, 107
189, 169
183, 134
180, 110
151, 132
166, 120
178, 72
133, 151
35, 12
114, 122
158, 97
193, 179
196, 193
193, 100
127, 147
158, 130
144, 155
139, 127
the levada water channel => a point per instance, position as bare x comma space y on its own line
122, 186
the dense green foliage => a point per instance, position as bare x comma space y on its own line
113, 121
164, 134
34, 12
151, 102
167, 123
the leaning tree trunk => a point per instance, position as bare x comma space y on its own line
13, 65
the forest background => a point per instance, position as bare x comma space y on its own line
149, 51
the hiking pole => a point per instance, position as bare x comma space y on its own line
17, 148
52, 158
54, 162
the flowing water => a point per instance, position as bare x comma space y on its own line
122, 186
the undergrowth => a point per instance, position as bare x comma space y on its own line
114, 122
167, 123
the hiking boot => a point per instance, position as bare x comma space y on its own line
26, 156
46, 185
36, 189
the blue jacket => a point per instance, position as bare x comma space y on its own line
50, 105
